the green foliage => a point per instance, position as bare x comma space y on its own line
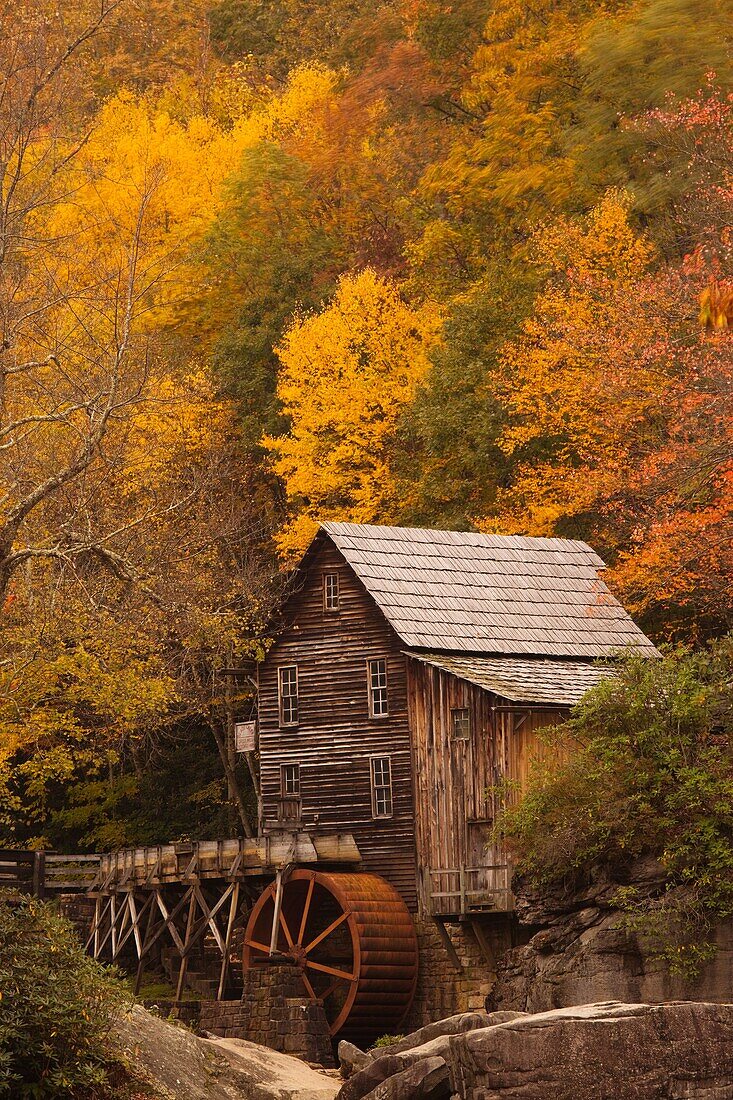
452, 471
450, 32
177, 791
650, 774
386, 1041
56, 1007
277, 36
271, 250
644, 57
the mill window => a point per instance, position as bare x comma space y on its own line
377, 682
460, 723
331, 591
381, 767
288, 695
290, 780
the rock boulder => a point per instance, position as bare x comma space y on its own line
181, 1066
600, 1052
580, 952
611, 1051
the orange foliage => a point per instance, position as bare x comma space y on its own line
621, 418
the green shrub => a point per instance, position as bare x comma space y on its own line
650, 772
386, 1041
56, 1006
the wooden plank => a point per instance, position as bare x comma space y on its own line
223, 859
448, 945
184, 952
336, 735
483, 942
233, 905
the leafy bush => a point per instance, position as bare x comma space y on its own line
386, 1041
56, 1006
650, 774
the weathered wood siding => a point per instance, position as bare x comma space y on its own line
456, 780
335, 736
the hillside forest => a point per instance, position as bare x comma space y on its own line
450, 263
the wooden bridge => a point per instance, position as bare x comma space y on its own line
177, 902
171, 902
43, 874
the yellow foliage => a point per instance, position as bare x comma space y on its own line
347, 375
716, 306
553, 380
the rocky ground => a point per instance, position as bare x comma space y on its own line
606, 1051
609, 1051
175, 1064
580, 952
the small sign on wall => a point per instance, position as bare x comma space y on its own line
245, 736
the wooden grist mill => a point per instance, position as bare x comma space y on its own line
412, 678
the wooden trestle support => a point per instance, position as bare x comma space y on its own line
177, 895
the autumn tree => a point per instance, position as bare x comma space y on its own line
320, 188
278, 37
127, 570
619, 406
347, 375
546, 125
563, 422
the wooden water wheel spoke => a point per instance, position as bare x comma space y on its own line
332, 927
257, 946
332, 970
311, 991
363, 939
306, 909
330, 988
286, 930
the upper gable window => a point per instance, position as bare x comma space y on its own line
377, 685
331, 593
287, 682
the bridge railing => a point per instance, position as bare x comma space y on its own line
71, 873
43, 873
22, 872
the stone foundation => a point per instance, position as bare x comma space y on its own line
185, 1011
79, 909
274, 1013
442, 988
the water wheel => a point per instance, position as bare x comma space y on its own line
353, 941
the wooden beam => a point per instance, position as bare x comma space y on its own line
276, 912
209, 918
144, 949
134, 929
448, 945
184, 952
233, 906
169, 918
483, 942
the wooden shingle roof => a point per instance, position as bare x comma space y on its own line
462, 592
524, 679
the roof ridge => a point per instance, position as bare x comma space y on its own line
340, 527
